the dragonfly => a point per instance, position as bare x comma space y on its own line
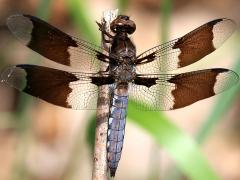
143, 77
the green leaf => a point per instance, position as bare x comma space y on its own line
165, 15
183, 149
122, 5
81, 18
90, 136
222, 105
43, 10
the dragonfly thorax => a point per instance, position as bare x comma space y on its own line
124, 72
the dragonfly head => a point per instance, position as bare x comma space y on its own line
123, 24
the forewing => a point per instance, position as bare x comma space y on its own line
61, 88
188, 49
56, 45
173, 91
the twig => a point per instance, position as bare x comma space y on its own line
100, 152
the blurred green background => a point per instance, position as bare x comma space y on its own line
46, 142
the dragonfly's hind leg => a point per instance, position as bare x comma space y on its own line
104, 71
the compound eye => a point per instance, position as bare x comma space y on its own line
123, 25
131, 27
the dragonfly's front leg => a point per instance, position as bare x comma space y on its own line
101, 28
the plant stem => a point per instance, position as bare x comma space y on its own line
100, 152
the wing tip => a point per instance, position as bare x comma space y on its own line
6, 73
12, 76
11, 19
222, 29
225, 79
219, 20
21, 26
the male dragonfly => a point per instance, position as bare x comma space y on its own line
127, 74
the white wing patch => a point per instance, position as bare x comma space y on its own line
222, 31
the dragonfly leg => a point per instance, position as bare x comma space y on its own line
101, 28
103, 71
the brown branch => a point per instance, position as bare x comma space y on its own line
100, 168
